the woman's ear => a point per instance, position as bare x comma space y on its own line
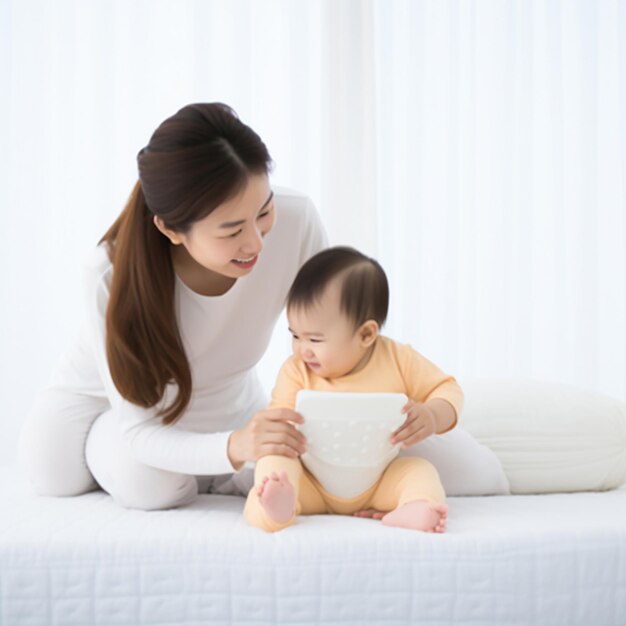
172, 235
368, 332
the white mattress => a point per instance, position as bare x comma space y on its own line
558, 559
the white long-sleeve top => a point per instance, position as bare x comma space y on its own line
223, 337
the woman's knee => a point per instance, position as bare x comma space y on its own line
131, 483
164, 490
51, 447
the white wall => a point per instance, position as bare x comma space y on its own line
476, 148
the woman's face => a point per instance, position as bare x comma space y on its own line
229, 240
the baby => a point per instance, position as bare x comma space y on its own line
335, 308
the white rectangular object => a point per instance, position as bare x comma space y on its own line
348, 445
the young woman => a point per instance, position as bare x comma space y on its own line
182, 295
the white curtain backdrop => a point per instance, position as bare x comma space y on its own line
476, 148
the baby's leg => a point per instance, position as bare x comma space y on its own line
411, 491
272, 503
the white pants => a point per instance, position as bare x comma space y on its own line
71, 444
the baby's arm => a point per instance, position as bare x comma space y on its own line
445, 414
289, 381
428, 384
435, 401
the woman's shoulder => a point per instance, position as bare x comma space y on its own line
288, 195
298, 223
97, 265
294, 205
97, 270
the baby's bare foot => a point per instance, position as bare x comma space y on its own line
419, 515
277, 497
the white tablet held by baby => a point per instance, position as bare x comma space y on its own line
348, 436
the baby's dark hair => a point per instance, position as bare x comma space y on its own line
364, 287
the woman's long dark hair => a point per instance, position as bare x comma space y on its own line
195, 161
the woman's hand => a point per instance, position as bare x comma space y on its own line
268, 432
420, 423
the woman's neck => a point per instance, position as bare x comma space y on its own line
198, 278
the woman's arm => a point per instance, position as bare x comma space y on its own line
273, 431
435, 399
166, 447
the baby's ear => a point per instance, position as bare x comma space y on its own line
368, 331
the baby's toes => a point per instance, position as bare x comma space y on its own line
261, 487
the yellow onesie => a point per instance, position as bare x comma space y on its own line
392, 368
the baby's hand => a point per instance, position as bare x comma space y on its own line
420, 423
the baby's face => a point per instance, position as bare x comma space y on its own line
325, 339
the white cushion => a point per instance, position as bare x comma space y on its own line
466, 467
550, 437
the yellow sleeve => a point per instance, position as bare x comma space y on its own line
426, 381
289, 381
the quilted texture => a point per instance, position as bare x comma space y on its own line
542, 560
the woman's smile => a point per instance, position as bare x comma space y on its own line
246, 263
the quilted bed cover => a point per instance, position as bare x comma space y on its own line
549, 560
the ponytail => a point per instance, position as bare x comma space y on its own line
143, 345
195, 161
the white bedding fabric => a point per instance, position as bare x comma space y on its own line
545, 560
